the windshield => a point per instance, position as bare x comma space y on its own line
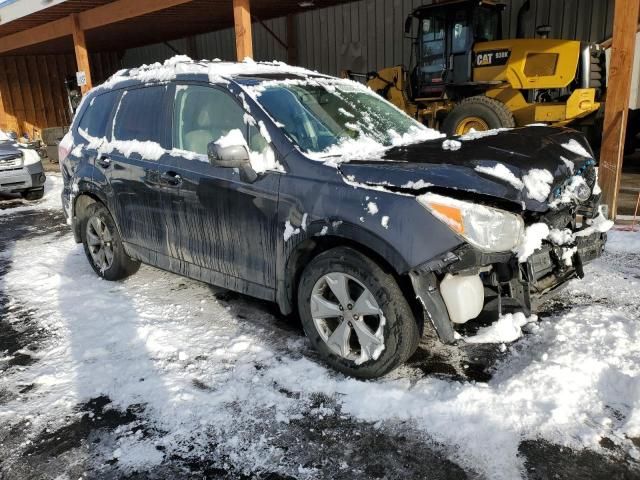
321, 116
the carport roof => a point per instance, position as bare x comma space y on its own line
181, 18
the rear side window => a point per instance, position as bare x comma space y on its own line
96, 116
139, 115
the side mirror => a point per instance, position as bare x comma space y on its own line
408, 25
232, 156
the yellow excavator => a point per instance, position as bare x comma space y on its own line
466, 76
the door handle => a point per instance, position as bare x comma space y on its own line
171, 178
104, 162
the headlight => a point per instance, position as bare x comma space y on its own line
30, 156
489, 229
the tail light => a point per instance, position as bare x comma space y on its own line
65, 146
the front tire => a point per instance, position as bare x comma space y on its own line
480, 113
355, 314
33, 194
103, 245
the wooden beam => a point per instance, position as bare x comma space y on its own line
82, 56
242, 25
41, 33
617, 103
96, 17
122, 10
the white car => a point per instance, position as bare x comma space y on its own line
21, 170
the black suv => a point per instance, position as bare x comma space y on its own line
315, 193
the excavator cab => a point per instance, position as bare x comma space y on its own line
444, 43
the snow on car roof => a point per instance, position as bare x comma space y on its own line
216, 70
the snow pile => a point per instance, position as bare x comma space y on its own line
570, 165
451, 145
385, 221
508, 328
598, 224
571, 192
372, 208
216, 70
502, 172
536, 233
596, 184
574, 147
416, 185
532, 240
147, 150
561, 237
620, 241
260, 161
205, 372
567, 255
50, 201
474, 134
565, 385
289, 231
538, 182
233, 138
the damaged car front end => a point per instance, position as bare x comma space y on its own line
523, 235
478, 226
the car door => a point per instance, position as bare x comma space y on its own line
137, 137
93, 125
220, 222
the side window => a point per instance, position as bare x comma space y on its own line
139, 115
96, 115
460, 33
202, 115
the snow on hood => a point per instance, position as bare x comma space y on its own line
528, 166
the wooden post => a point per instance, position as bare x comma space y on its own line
292, 49
617, 104
82, 57
242, 24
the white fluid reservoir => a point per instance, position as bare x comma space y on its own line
463, 295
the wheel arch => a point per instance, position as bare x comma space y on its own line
87, 195
313, 246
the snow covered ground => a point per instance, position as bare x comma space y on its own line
162, 374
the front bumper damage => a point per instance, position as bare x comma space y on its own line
508, 284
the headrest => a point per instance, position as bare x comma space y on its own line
203, 121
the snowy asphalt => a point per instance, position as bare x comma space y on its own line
163, 377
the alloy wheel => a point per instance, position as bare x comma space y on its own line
347, 317
100, 243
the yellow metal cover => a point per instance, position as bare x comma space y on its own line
527, 63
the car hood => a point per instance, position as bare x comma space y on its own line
471, 168
9, 149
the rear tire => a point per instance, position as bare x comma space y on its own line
480, 110
394, 325
103, 245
